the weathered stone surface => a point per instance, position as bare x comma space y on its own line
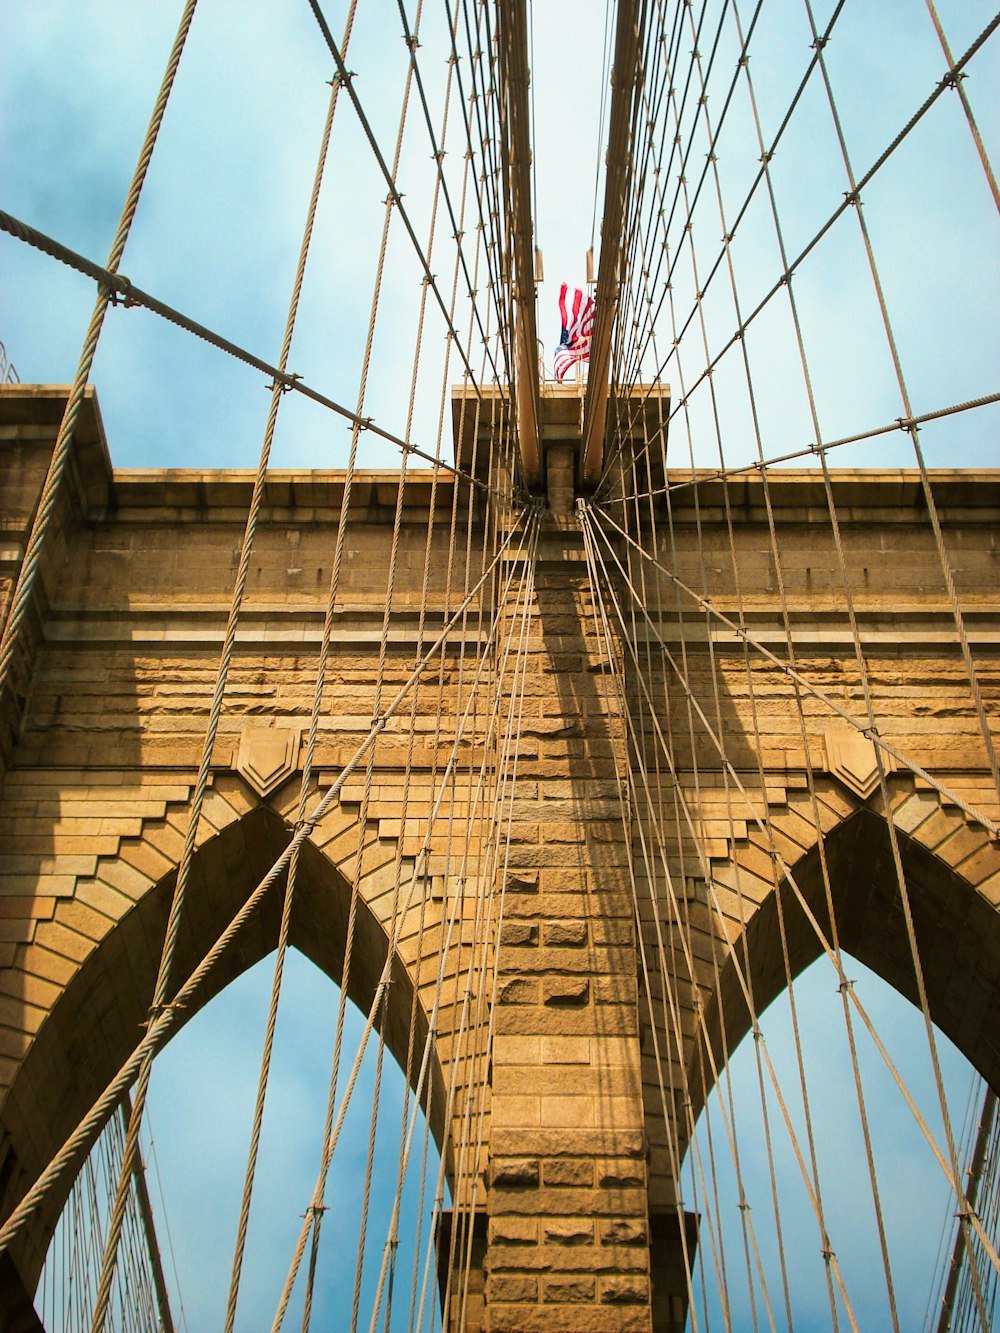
565, 990
621, 1231
517, 1172
568, 1290
101, 739
559, 1171
567, 1232
519, 932
560, 934
624, 1290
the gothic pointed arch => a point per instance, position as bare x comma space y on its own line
94, 1022
948, 863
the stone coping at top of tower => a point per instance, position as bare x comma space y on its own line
30, 415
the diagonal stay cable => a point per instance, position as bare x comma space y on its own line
697, 476
438, 154
347, 79
978, 815
21, 597
290, 883
162, 1025
785, 870
742, 978
416, 876
849, 200
120, 286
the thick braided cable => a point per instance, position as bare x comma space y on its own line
939, 88
21, 599
134, 296
330, 1144
276, 395
782, 867
163, 1024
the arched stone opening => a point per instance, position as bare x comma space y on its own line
957, 931
96, 1022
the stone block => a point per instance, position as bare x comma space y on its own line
565, 1050
567, 1231
568, 1290
624, 1231
516, 1171
631, 1290
511, 1287
523, 933
564, 934
512, 1231
518, 990
566, 990
567, 1171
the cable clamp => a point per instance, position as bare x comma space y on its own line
953, 78
364, 423
284, 385
819, 43
439, 156
743, 61
757, 1033
156, 1012
853, 197
871, 732
906, 424
121, 293
766, 156
845, 985
828, 1253
412, 42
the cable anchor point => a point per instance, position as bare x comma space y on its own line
121, 293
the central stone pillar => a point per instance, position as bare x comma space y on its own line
568, 1233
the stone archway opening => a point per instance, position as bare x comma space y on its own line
956, 928
958, 943
195, 1135
916, 1203
96, 1022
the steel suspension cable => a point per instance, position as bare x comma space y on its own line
787, 873
51, 487
829, 1254
162, 1025
946, 82
862, 727
289, 890
331, 1142
348, 81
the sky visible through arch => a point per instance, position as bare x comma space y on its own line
218, 229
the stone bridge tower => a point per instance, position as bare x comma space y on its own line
571, 1075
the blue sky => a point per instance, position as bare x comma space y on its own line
217, 234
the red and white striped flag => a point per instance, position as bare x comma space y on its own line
577, 311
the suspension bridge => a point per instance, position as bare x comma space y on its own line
566, 744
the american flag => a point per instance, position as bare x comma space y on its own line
577, 311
